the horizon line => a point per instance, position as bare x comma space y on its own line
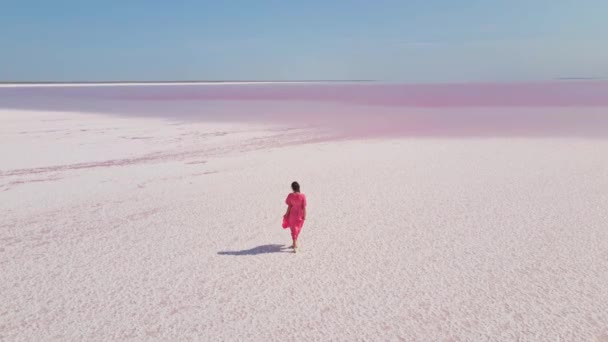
4, 84
183, 81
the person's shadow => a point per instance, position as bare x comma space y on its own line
264, 249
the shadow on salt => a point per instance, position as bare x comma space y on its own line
263, 249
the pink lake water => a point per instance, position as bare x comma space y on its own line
367, 109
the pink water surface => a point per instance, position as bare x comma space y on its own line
560, 108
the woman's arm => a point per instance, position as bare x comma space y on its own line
304, 213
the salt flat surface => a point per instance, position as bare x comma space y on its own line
148, 229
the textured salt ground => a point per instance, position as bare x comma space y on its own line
409, 239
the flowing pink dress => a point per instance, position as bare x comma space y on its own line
295, 220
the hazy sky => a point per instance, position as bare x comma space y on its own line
413, 41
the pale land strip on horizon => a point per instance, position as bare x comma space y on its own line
170, 82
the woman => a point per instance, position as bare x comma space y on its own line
296, 213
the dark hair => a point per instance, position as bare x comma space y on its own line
295, 187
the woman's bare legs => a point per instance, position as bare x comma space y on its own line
295, 231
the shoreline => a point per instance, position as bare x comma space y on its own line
163, 83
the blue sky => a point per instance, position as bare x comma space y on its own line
411, 41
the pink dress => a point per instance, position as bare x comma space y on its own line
295, 220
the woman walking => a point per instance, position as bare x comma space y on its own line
296, 213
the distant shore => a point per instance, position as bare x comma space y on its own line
134, 83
